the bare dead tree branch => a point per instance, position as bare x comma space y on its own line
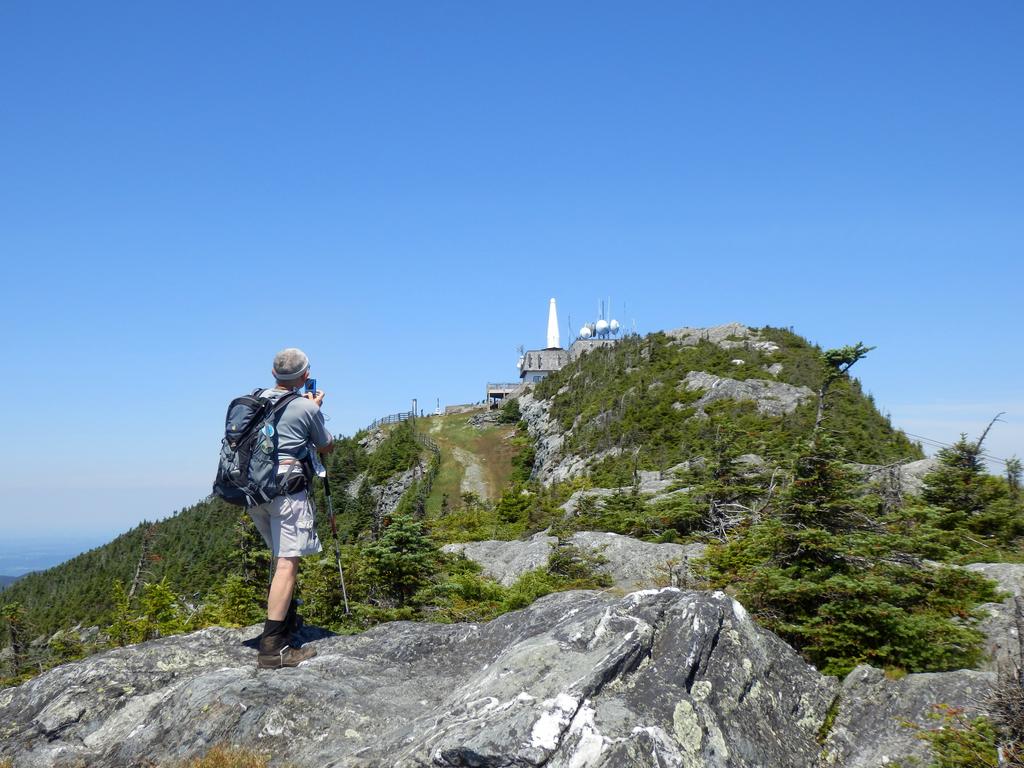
990, 425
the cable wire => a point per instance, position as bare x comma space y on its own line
939, 444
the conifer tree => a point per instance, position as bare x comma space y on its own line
121, 630
403, 559
958, 483
13, 616
360, 514
1014, 470
161, 612
825, 572
966, 498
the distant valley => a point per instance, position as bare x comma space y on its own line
20, 556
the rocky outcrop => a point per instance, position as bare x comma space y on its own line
635, 564
1004, 625
578, 679
908, 477
631, 563
549, 464
651, 485
876, 715
388, 494
486, 419
772, 398
372, 440
553, 463
506, 561
728, 336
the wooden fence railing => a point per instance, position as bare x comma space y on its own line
426, 481
393, 418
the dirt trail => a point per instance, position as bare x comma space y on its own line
473, 478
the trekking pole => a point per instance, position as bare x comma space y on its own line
334, 530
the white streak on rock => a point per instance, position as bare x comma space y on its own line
590, 744
549, 727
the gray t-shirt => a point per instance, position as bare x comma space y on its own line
300, 424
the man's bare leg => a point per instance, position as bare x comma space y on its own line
282, 587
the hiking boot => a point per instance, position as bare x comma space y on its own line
286, 657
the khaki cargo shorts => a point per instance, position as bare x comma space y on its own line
288, 525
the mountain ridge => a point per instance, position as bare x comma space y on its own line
704, 443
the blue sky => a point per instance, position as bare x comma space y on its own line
398, 188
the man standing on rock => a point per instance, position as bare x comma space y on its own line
287, 522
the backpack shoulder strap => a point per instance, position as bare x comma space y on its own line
281, 402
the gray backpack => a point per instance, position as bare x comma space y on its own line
247, 472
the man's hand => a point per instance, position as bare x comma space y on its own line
317, 397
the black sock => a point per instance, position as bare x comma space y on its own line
273, 638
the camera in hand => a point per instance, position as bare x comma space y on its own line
311, 386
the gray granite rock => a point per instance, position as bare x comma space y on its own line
652, 485
909, 476
870, 730
390, 493
373, 439
548, 439
772, 398
577, 679
506, 561
727, 336
634, 564
486, 419
1004, 640
356, 484
1009, 576
572, 504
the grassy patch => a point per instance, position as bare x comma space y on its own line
228, 757
492, 446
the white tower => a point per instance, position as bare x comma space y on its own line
553, 326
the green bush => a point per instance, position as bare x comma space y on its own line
236, 602
964, 497
398, 452
509, 412
526, 455
161, 612
959, 741
824, 572
403, 560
